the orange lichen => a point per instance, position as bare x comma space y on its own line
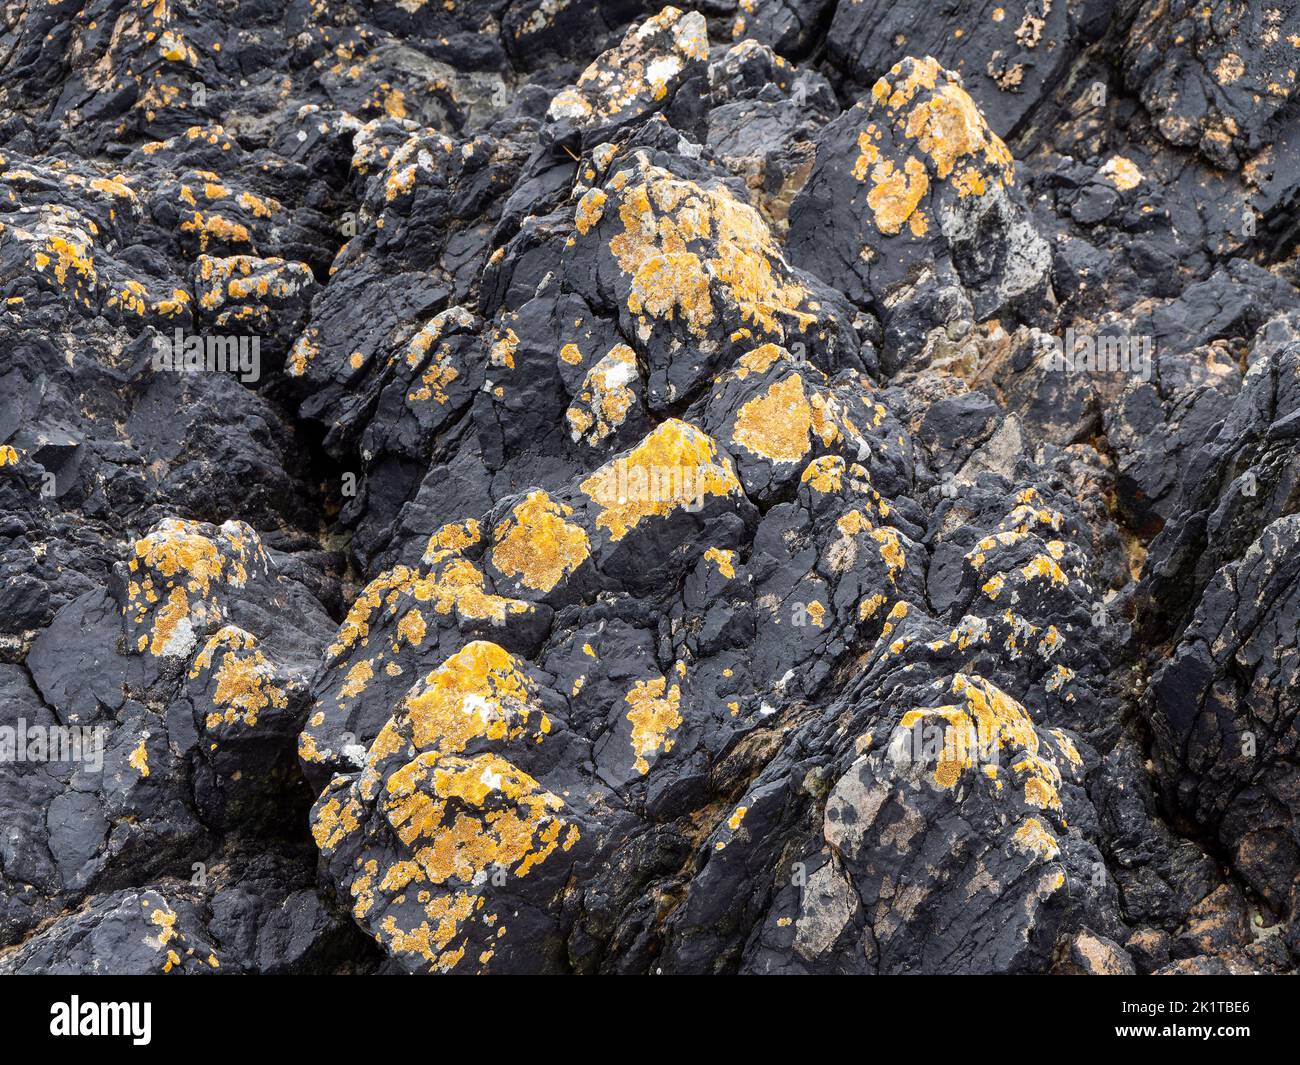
605, 397
1034, 838
536, 545
139, 758
981, 729
590, 209
187, 570
654, 715
824, 474
895, 195
930, 114
461, 820
676, 465
775, 426
724, 560
1121, 173
480, 691
680, 239
245, 678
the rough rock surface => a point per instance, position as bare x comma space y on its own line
785, 486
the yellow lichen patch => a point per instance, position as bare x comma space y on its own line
1050, 642
824, 474
679, 239
775, 426
674, 466
431, 939
245, 678
759, 360
891, 551
868, 607
733, 822
571, 354
247, 282
603, 401
466, 816
334, 821
536, 545
359, 676
69, 254
1121, 173
463, 821
1032, 837
928, 108
868, 150
988, 725
1066, 745
8, 455
303, 352
115, 187
1041, 781
61, 244
478, 692
455, 583
436, 379
454, 536
411, 627
165, 921
451, 583
139, 758
895, 195
173, 632
949, 128
1044, 566
418, 347
636, 75
257, 206
502, 350
969, 182
958, 752
183, 568
356, 625
590, 209
724, 560
1230, 68
1056, 680
214, 227
178, 549
654, 715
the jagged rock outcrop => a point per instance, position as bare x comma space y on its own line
791, 486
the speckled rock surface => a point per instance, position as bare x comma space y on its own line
785, 486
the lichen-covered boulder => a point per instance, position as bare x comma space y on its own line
912, 203
470, 815
663, 63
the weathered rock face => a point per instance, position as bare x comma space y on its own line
784, 487
912, 204
1216, 81
1010, 55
